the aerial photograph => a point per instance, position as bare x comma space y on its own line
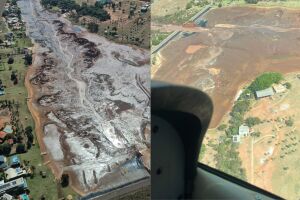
74, 99
245, 54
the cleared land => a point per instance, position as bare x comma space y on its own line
241, 42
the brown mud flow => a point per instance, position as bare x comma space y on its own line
91, 108
240, 43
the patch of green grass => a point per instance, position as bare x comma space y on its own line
179, 17
264, 3
157, 37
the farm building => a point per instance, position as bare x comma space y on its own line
264, 93
279, 88
2, 93
244, 131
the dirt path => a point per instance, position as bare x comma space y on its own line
37, 119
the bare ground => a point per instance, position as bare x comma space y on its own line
242, 42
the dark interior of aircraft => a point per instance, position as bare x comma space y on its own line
180, 119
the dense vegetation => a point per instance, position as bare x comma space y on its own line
84, 10
251, 1
265, 80
252, 121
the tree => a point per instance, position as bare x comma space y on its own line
28, 59
30, 137
64, 181
20, 148
28, 129
92, 27
5, 149
222, 127
289, 122
252, 121
10, 60
13, 76
265, 81
288, 85
5, 13
251, 1
256, 134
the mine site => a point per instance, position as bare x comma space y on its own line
253, 135
89, 98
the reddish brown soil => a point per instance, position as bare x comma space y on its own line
261, 40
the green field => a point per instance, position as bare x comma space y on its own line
157, 37
38, 186
274, 3
180, 17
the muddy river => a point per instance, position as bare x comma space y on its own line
90, 101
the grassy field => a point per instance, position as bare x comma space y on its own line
275, 3
179, 17
161, 8
157, 37
37, 185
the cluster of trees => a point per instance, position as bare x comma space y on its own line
84, 10
289, 122
192, 3
265, 80
14, 77
93, 28
28, 59
252, 121
228, 159
251, 1
5, 149
29, 135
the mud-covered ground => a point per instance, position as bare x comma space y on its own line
239, 44
90, 101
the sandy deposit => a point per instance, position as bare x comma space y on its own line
87, 103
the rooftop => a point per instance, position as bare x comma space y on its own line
265, 93
8, 129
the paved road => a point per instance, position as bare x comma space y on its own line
122, 191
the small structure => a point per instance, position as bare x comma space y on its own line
264, 93
8, 129
13, 173
2, 92
244, 131
3, 162
15, 161
279, 88
13, 187
236, 139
